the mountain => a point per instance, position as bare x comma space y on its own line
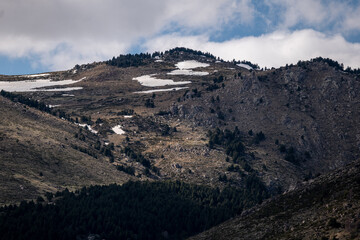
181, 115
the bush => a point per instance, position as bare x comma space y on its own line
259, 137
128, 170
149, 103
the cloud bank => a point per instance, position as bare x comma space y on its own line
271, 50
59, 34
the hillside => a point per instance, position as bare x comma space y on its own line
187, 116
38, 155
326, 208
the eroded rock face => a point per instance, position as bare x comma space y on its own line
311, 108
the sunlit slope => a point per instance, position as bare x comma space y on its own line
37, 155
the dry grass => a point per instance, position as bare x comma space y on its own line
36, 156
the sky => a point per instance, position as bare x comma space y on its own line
41, 35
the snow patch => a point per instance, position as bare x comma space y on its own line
191, 64
162, 90
185, 68
118, 130
150, 81
187, 72
159, 60
128, 116
53, 106
244, 66
59, 89
37, 75
37, 85
88, 127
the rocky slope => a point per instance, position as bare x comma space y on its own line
311, 108
326, 208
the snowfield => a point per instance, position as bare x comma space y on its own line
37, 85
244, 66
185, 68
150, 81
162, 90
118, 130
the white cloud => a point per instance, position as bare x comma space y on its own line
64, 32
58, 34
211, 14
271, 50
352, 20
59, 55
334, 16
305, 11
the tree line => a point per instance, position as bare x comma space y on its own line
129, 60
135, 210
335, 64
